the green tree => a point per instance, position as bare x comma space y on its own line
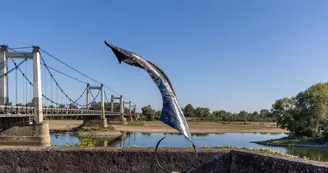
158, 114
202, 112
148, 112
220, 115
243, 116
31, 104
72, 106
283, 110
61, 106
189, 111
312, 109
306, 113
265, 115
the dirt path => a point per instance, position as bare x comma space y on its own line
195, 127
63, 124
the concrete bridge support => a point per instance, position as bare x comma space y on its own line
130, 115
20, 131
135, 111
122, 119
102, 120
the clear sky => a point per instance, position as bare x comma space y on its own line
231, 55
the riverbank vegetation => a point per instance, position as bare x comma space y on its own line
95, 128
306, 114
204, 114
298, 141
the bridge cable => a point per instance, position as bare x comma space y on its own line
53, 69
11, 70
53, 78
20, 47
54, 102
105, 96
47, 68
80, 72
48, 71
92, 95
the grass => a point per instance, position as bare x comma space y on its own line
95, 128
294, 140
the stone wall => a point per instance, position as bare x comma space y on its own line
119, 160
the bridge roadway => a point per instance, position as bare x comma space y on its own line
23, 111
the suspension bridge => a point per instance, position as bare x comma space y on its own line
30, 91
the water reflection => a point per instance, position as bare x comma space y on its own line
177, 140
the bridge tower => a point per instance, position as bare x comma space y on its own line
38, 130
122, 119
129, 102
102, 121
135, 111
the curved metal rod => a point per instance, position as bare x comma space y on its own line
184, 171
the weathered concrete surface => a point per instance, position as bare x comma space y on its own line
119, 160
23, 134
117, 119
93, 121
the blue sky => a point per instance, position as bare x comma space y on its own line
231, 55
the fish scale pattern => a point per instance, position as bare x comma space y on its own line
172, 114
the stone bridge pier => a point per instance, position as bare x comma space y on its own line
23, 131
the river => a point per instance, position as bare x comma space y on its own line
177, 140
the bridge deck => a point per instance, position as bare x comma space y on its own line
23, 111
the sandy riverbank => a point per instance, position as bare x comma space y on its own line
195, 127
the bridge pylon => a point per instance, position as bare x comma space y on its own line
130, 115
122, 118
102, 121
13, 131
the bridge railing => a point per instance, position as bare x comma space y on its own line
25, 111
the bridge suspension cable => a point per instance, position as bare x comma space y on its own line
11, 70
47, 98
81, 73
53, 69
61, 89
49, 69
54, 102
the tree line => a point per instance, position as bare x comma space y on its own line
203, 113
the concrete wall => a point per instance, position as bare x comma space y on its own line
119, 160
35, 135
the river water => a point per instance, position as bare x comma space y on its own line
177, 140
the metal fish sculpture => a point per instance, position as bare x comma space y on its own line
172, 114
